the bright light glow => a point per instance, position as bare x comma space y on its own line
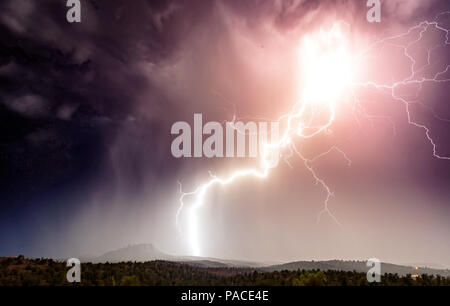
326, 65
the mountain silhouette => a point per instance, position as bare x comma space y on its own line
148, 252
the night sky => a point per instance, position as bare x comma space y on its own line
86, 111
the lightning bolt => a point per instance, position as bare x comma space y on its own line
411, 79
300, 122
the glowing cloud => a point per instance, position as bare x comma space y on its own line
326, 65
328, 71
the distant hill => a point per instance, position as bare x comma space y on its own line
426, 265
137, 252
148, 252
218, 263
358, 266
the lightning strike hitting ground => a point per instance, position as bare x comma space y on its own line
328, 73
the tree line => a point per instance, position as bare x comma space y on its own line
20, 271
